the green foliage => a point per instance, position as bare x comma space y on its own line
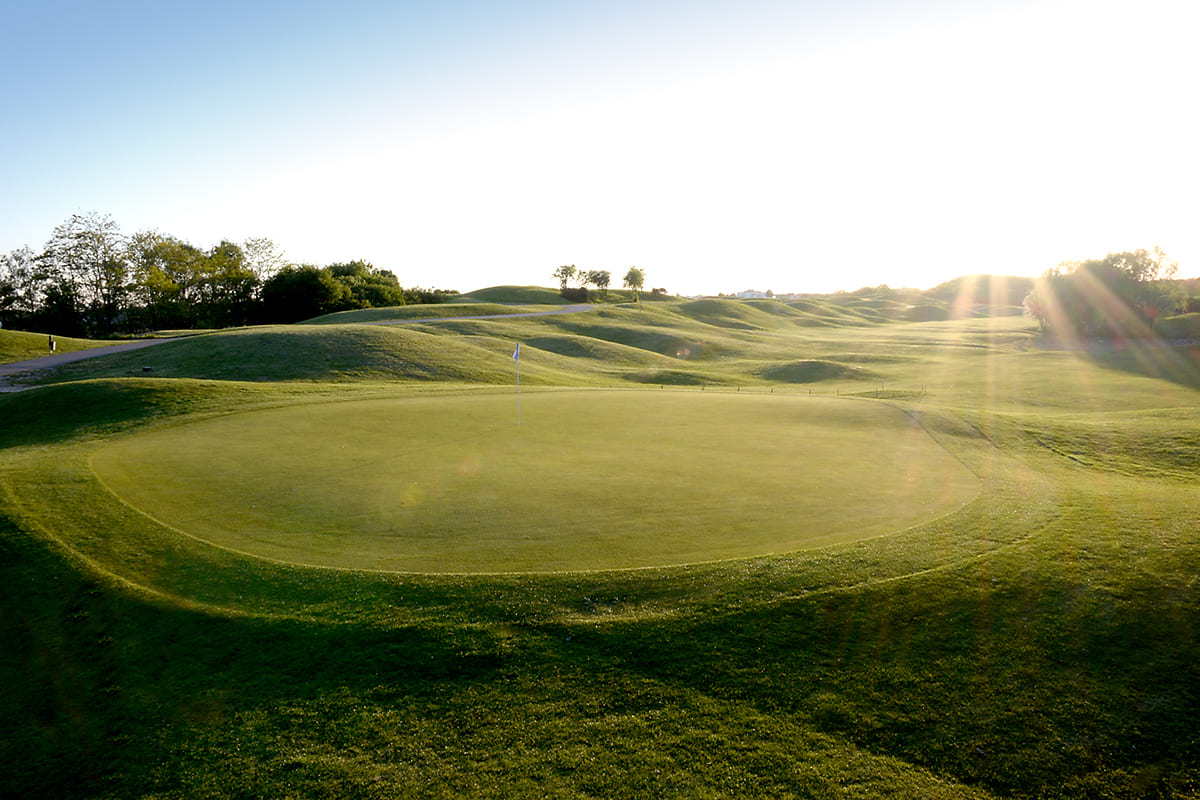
1117, 297
564, 274
600, 278
634, 280
814, 371
298, 293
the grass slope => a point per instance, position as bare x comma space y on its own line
1040, 642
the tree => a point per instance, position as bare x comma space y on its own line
86, 259
369, 287
634, 280
304, 292
263, 258
564, 275
1118, 296
228, 285
26, 275
166, 276
600, 278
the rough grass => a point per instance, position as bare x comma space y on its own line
1043, 641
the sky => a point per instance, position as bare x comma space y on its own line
718, 145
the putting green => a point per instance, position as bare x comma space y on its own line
588, 480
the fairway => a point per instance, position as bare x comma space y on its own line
589, 480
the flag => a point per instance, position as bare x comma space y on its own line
517, 353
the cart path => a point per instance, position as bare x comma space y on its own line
48, 362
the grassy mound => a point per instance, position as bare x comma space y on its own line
309, 353
513, 295
730, 314
814, 371
1182, 326
673, 377
588, 347
376, 316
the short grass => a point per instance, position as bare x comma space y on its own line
653, 479
1040, 641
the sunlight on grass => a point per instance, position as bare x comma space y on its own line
653, 479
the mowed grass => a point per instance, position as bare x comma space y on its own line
455, 484
1040, 641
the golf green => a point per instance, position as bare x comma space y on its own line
600, 479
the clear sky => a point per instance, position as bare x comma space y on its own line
719, 145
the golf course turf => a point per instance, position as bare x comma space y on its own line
851, 557
655, 479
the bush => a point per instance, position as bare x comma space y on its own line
926, 313
580, 295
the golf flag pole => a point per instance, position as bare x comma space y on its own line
517, 358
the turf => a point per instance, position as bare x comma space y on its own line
1039, 641
653, 479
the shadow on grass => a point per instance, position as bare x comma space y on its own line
1150, 358
93, 677
54, 414
1037, 687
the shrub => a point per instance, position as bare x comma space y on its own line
579, 295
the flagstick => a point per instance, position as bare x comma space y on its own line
517, 358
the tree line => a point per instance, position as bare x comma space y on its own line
91, 280
1119, 296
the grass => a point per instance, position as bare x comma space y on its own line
1039, 641
654, 479
22, 346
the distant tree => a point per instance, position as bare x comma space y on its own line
166, 273
564, 274
262, 257
600, 278
419, 295
1119, 295
634, 280
26, 276
369, 287
228, 285
8, 295
86, 259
